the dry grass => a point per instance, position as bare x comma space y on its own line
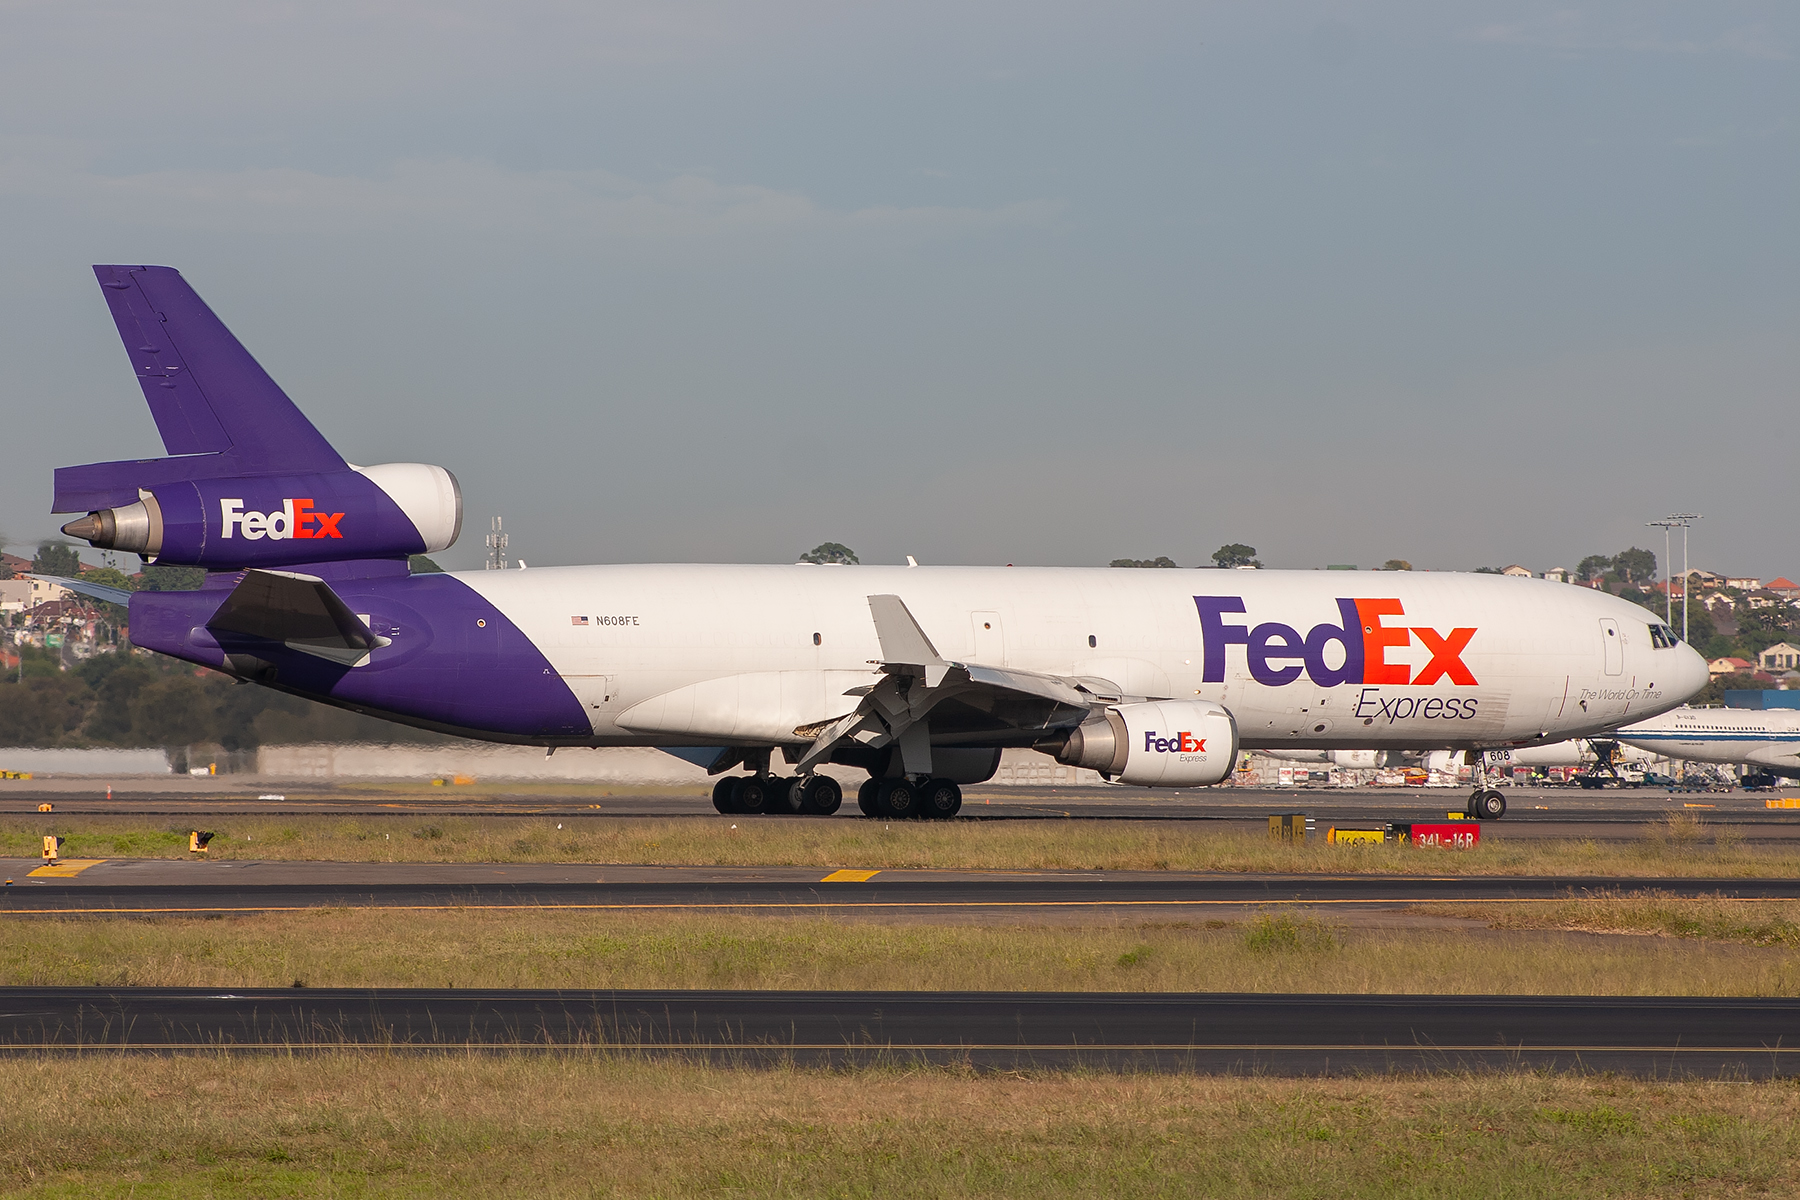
1774, 923
1680, 847
1284, 952
368, 1126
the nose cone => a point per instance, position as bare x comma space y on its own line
88, 528
1690, 672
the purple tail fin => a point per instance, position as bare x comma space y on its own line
207, 394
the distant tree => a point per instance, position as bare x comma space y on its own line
1489, 571
1235, 554
831, 552
418, 564
54, 558
1396, 564
1635, 565
1159, 561
1593, 567
163, 577
110, 577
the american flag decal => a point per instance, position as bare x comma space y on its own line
578, 620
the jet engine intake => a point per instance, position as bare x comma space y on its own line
1155, 743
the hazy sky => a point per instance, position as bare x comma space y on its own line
1040, 283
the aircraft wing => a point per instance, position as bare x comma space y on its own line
926, 696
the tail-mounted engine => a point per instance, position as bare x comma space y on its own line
1156, 743
386, 511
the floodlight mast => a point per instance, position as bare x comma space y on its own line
1684, 520
1665, 525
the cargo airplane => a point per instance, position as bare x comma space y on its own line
920, 676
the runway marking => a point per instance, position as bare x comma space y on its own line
850, 877
811, 904
68, 868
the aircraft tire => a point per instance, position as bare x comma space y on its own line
755, 795
940, 799
865, 797
1489, 806
820, 796
897, 799
725, 794
784, 797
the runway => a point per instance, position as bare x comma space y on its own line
161, 887
1279, 1034
1531, 812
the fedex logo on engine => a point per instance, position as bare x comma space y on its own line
1277, 653
1176, 743
296, 518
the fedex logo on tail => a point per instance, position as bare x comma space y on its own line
296, 518
1277, 654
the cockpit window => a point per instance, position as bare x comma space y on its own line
1663, 638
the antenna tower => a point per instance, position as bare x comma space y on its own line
496, 544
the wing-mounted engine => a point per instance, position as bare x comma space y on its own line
1157, 743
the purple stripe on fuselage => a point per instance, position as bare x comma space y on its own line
454, 660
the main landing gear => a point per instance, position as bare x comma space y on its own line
807, 795
901, 798
1486, 805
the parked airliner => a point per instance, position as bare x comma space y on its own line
1767, 738
919, 675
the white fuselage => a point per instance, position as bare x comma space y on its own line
1754, 737
692, 654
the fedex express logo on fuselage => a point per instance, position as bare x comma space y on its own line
1277, 654
296, 518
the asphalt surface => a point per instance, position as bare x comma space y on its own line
144, 887
1531, 813
1291, 1034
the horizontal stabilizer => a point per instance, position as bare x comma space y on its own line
206, 393
300, 611
98, 591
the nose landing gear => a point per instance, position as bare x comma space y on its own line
1486, 805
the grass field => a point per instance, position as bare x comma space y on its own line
350, 1125
558, 949
1680, 846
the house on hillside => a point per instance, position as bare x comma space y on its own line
1786, 588
1782, 656
1558, 574
15, 595
1728, 666
1715, 602
1706, 579
1517, 572
1764, 598
1742, 583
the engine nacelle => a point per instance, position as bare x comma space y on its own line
386, 511
1156, 743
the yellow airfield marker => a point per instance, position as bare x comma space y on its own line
850, 877
68, 868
